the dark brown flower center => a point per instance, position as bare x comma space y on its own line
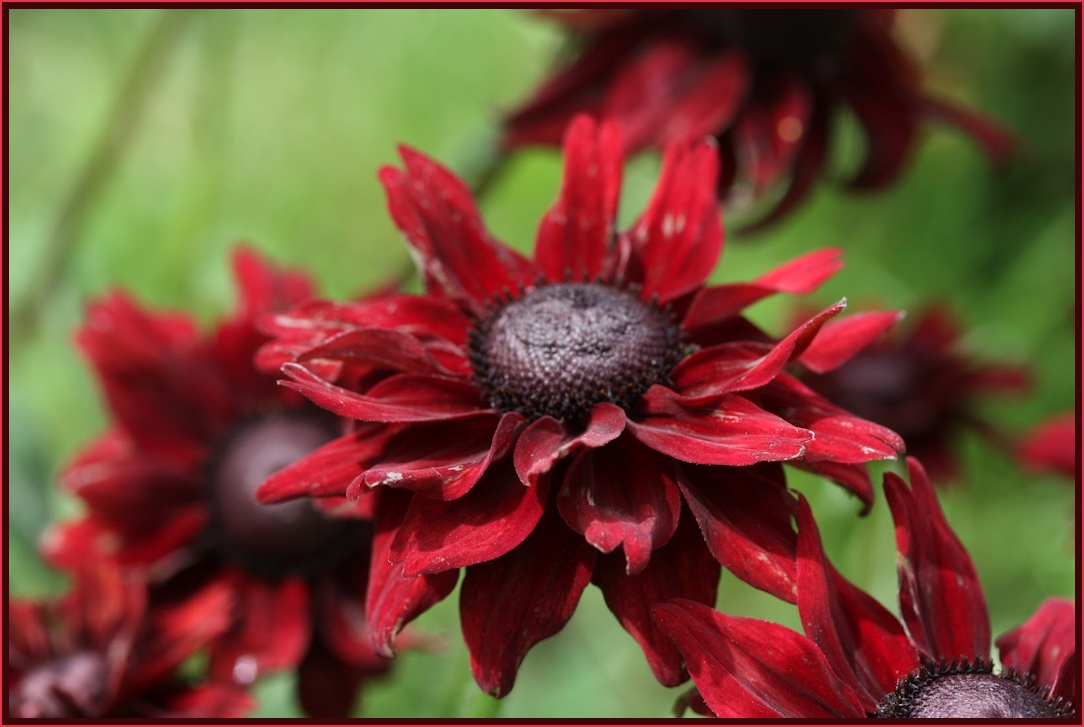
68, 687
270, 539
560, 349
969, 689
809, 38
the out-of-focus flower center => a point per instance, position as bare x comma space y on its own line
808, 39
72, 686
560, 349
963, 689
270, 538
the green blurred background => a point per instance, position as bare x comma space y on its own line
144, 143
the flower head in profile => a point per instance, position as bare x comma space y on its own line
594, 413
857, 660
170, 487
767, 83
104, 650
919, 381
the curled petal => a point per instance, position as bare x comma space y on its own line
484, 524
622, 494
1043, 646
547, 441
377, 348
733, 432
839, 340
746, 668
941, 598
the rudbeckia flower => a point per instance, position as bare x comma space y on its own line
594, 413
104, 651
857, 660
921, 382
769, 84
170, 487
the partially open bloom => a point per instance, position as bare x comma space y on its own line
104, 651
767, 83
857, 660
527, 419
170, 487
919, 381
1052, 446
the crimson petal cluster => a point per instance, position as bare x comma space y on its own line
858, 660
767, 83
644, 494
168, 490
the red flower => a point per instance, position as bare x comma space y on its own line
170, 487
767, 83
921, 384
1052, 446
104, 651
527, 415
858, 660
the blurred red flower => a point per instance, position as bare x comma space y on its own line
767, 83
1052, 446
526, 418
196, 428
104, 651
857, 660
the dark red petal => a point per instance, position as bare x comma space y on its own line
742, 366
733, 432
839, 340
546, 441
745, 515
770, 132
854, 478
509, 604
329, 470
211, 701
575, 234
941, 598
392, 601
457, 256
841, 437
670, 95
443, 460
327, 688
1043, 645
377, 348
998, 143
683, 568
622, 494
271, 633
265, 287
799, 276
487, 522
861, 639
399, 398
1052, 446
678, 239
746, 668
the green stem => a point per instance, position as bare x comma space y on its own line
143, 75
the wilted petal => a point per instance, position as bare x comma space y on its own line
509, 604
747, 669
392, 600
941, 598
745, 516
622, 494
683, 568
575, 234
487, 522
733, 432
